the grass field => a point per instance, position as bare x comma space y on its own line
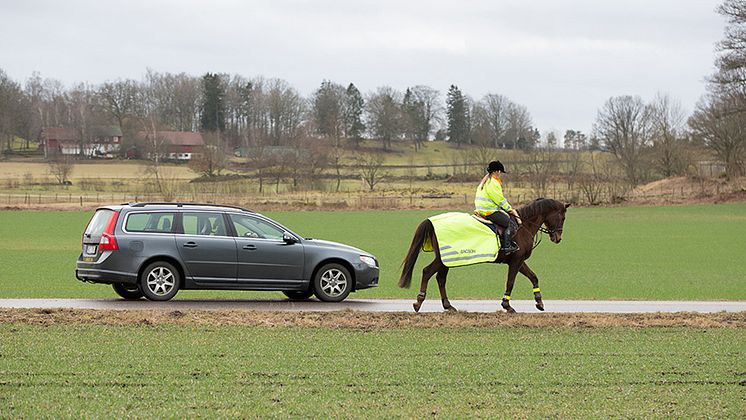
660, 253
165, 370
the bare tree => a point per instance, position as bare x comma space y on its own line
83, 118
11, 109
731, 62
624, 124
492, 114
118, 99
520, 127
212, 160
286, 109
541, 166
592, 184
314, 156
336, 162
371, 168
670, 154
61, 167
260, 160
384, 115
722, 130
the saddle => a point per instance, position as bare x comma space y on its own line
495, 228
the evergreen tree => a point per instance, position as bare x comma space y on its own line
212, 116
354, 106
328, 109
458, 116
413, 111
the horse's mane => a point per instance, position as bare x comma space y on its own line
536, 207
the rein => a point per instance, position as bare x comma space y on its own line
541, 229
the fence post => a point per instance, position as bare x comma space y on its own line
81, 201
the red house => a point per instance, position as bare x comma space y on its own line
175, 145
104, 141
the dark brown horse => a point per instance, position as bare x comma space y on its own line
543, 211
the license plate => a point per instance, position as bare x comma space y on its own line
90, 249
88, 259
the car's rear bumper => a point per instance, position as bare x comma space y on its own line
365, 277
100, 272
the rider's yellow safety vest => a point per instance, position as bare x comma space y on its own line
490, 198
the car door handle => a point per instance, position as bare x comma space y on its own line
190, 245
249, 247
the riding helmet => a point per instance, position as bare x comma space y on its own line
496, 165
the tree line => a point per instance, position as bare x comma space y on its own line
260, 111
270, 116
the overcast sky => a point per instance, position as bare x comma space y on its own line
560, 58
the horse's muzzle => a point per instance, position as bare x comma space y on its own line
556, 237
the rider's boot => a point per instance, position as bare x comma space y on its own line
506, 241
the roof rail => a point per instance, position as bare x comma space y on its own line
186, 204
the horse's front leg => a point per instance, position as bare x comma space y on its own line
512, 272
535, 281
441, 277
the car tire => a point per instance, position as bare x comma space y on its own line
332, 283
160, 281
128, 291
298, 294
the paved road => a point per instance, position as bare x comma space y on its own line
379, 305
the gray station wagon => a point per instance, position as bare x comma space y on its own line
156, 249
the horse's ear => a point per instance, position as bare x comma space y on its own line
567, 205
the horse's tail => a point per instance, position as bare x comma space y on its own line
423, 231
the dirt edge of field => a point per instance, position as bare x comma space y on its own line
366, 320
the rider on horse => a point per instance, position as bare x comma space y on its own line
491, 204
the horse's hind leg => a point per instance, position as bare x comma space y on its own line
512, 272
427, 272
441, 277
535, 281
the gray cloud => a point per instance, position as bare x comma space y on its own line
562, 59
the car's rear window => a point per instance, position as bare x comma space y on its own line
150, 222
98, 223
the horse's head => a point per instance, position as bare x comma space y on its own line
555, 221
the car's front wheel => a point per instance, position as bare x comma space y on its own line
128, 291
332, 283
298, 294
159, 281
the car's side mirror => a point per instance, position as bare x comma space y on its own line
288, 238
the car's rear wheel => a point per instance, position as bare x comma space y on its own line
298, 294
128, 291
332, 283
159, 281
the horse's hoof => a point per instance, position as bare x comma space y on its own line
450, 309
540, 306
416, 306
510, 310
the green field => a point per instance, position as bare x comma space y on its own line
233, 371
676, 252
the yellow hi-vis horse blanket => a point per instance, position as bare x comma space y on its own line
462, 240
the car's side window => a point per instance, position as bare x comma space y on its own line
150, 222
204, 223
251, 227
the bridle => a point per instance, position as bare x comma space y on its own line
540, 229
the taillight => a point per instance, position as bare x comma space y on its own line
108, 240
